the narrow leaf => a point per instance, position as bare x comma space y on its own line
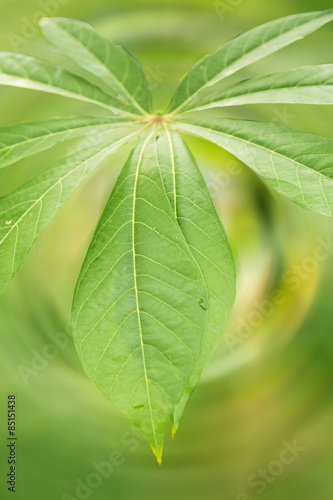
25, 213
105, 60
243, 50
296, 164
26, 139
140, 306
18, 70
308, 85
205, 236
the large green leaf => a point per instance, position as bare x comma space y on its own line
308, 85
110, 63
140, 306
244, 50
18, 70
207, 241
296, 164
26, 212
25, 139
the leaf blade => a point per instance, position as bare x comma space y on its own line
296, 164
18, 70
244, 50
150, 315
26, 139
307, 85
26, 212
109, 62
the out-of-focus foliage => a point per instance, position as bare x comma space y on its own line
270, 379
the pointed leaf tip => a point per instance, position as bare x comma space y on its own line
158, 455
173, 432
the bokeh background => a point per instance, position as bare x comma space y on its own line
269, 385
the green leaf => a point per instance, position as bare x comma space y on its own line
110, 63
140, 306
26, 139
205, 236
308, 85
18, 70
243, 50
25, 213
296, 164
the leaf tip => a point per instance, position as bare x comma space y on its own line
174, 430
158, 455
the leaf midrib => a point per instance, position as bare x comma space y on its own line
136, 284
172, 156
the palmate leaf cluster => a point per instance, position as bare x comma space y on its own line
158, 281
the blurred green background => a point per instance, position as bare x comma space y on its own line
269, 385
